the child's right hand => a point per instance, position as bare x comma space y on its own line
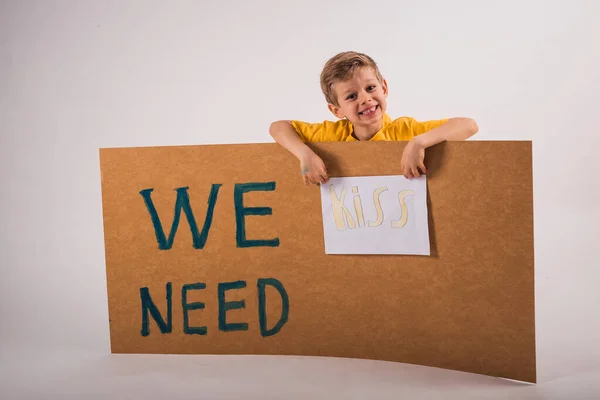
313, 169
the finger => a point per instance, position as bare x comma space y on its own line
322, 172
305, 179
415, 172
422, 166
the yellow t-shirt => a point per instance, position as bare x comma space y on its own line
400, 129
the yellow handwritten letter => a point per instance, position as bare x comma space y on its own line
339, 209
404, 217
377, 202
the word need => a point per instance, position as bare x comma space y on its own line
149, 307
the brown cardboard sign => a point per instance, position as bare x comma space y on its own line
218, 249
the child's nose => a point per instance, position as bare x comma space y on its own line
364, 97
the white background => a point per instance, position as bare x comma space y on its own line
79, 75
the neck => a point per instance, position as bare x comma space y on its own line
365, 133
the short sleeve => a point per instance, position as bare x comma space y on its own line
308, 132
326, 131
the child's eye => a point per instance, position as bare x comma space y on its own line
350, 96
372, 87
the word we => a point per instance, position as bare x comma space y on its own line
148, 307
199, 238
340, 210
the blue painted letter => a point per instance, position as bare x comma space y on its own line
262, 313
197, 330
241, 212
148, 305
230, 305
182, 201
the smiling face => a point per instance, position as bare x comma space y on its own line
362, 100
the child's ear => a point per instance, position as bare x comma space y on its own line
335, 110
384, 86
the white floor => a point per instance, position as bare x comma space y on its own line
29, 375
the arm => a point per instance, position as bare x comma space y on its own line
312, 167
284, 133
455, 129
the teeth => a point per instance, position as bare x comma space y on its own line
369, 110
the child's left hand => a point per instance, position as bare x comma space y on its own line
412, 159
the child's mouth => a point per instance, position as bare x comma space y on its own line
369, 111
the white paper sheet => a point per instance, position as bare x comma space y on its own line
375, 215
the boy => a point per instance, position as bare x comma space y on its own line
356, 94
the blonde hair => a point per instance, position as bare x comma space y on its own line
340, 68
